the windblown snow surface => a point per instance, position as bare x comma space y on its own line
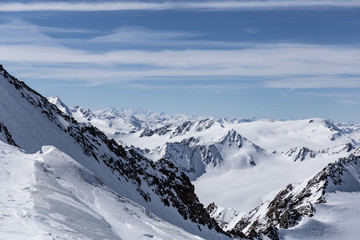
338, 218
48, 195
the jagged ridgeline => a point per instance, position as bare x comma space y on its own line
295, 202
29, 121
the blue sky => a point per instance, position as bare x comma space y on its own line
264, 59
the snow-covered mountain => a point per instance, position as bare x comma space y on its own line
325, 204
214, 152
30, 122
132, 174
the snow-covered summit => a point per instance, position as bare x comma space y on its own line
60, 105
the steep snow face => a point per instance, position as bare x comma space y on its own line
186, 157
60, 105
226, 217
51, 196
160, 187
296, 202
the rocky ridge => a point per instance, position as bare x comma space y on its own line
161, 180
294, 202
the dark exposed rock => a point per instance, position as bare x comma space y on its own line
211, 155
5, 132
183, 155
182, 129
204, 124
348, 147
211, 208
290, 204
189, 155
233, 137
189, 152
159, 131
147, 133
300, 154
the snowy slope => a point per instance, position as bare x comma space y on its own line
51, 196
302, 210
338, 218
351, 129
283, 135
160, 187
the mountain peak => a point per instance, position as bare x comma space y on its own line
60, 105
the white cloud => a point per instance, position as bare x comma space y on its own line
343, 96
141, 34
348, 102
251, 30
16, 30
25, 44
316, 82
193, 5
19, 31
260, 60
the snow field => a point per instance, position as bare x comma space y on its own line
48, 195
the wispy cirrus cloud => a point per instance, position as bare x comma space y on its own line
131, 34
16, 30
258, 60
134, 36
275, 65
251, 30
322, 81
342, 96
282, 61
173, 5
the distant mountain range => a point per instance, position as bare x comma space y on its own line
133, 174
